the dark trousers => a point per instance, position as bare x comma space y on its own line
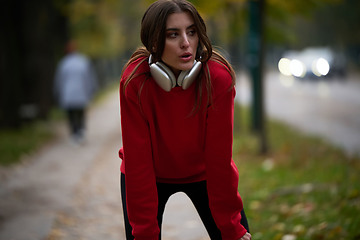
197, 192
76, 121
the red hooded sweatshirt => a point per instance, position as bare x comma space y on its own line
165, 141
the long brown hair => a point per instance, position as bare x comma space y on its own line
153, 33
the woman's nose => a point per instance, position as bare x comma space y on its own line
185, 42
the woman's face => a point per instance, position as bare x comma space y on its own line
181, 42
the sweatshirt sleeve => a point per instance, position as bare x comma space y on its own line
141, 191
222, 174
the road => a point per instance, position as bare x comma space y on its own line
328, 108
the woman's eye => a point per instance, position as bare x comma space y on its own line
192, 32
172, 35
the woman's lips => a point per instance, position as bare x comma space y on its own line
186, 57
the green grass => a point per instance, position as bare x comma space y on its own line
303, 187
16, 143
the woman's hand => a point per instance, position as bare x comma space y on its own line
247, 236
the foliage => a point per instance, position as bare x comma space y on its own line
103, 27
341, 18
281, 18
303, 189
111, 27
226, 19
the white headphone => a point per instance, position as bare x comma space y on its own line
166, 79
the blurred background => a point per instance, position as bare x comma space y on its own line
297, 61
34, 34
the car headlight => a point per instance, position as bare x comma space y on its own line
297, 68
284, 66
321, 67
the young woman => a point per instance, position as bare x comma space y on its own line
176, 101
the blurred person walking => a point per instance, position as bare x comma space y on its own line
74, 87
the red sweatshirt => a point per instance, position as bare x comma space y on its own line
164, 142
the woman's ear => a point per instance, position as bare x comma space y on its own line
154, 48
155, 54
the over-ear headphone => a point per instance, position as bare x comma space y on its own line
166, 79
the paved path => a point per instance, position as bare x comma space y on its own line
68, 192
326, 108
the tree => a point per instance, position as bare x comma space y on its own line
31, 34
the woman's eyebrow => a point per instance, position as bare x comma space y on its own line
177, 29
191, 26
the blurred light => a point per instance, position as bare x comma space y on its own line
289, 237
268, 165
297, 68
284, 66
322, 66
314, 68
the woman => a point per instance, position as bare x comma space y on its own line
176, 101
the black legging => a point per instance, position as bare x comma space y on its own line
197, 192
76, 118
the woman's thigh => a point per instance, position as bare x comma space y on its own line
197, 192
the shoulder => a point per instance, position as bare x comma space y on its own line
137, 70
75, 59
220, 75
77, 56
138, 67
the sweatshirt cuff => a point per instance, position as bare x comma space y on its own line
147, 238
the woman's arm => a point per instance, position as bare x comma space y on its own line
139, 172
222, 175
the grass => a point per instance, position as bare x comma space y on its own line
16, 143
304, 188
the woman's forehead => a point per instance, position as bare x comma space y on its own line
181, 20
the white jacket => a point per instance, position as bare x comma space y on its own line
75, 81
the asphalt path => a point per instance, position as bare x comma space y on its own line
327, 108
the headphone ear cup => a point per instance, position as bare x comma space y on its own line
163, 76
186, 78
